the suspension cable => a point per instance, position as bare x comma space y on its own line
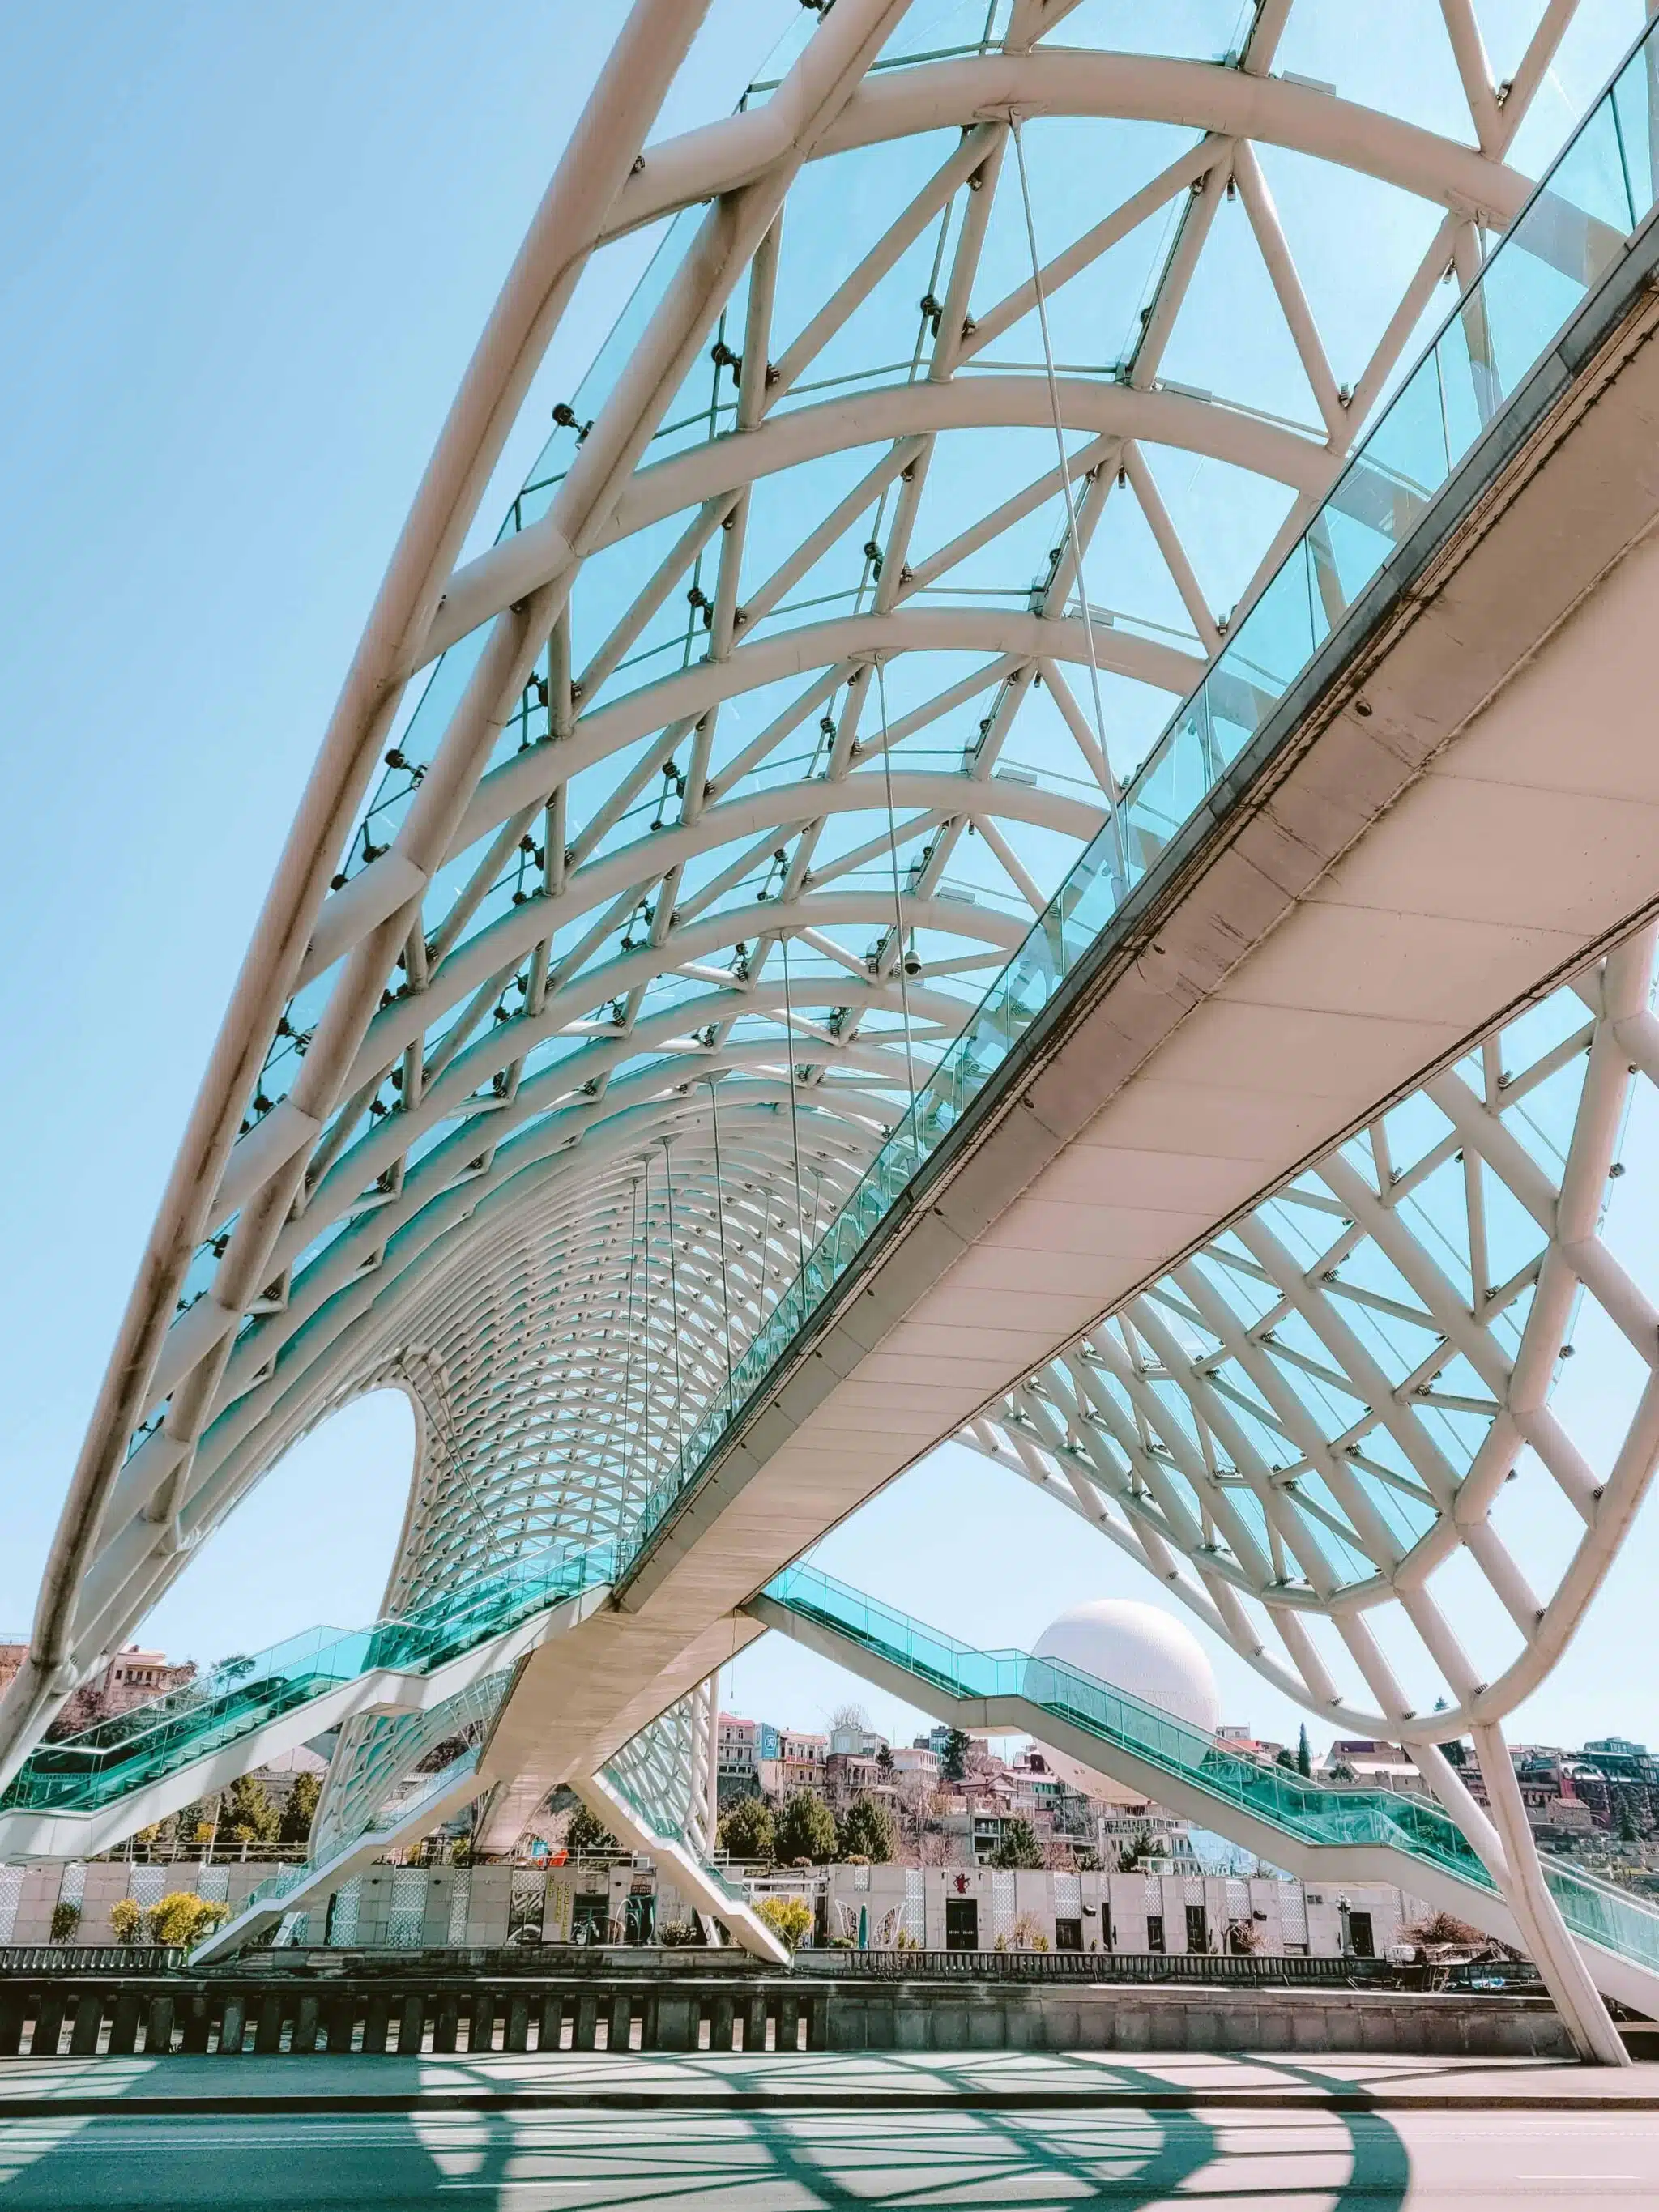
1113, 794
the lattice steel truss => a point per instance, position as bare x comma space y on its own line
655, 856
1339, 1432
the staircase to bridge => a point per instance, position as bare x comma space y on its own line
1323, 1833
88, 1792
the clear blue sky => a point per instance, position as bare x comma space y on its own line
248, 250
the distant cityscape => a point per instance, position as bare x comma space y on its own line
1598, 1804
955, 1802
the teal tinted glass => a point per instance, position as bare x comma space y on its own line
1307, 1811
134, 1749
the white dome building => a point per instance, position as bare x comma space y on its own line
1137, 1648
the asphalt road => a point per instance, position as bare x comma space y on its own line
1310, 2161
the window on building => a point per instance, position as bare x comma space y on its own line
1362, 1937
962, 1923
1068, 1935
1198, 1929
1155, 1931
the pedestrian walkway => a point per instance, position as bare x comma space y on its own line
735, 2081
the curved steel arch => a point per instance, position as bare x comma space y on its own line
1307, 1429
549, 947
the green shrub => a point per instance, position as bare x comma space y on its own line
126, 1919
65, 1919
183, 1917
789, 1918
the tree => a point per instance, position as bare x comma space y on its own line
849, 1717
1283, 1757
84, 1709
126, 1919
866, 1831
1339, 1771
197, 1823
443, 1754
1028, 1934
1628, 1832
1444, 1927
1019, 1846
587, 1832
183, 1917
746, 1832
788, 1918
249, 1816
65, 1921
953, 1760
236, 1666
884, 1759
300, 1810
1304, 1756
806, 1829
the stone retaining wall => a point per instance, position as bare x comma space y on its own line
109, 2014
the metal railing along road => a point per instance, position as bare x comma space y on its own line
90, 1958
415, 2012
1185, 1968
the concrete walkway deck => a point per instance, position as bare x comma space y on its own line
805, 2082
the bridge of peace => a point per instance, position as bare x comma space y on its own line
991, 851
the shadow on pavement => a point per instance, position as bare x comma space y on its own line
749, 2161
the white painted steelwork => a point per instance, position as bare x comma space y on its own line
538, 1105
818, 645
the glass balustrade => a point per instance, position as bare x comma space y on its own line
1310, 1812
130, 1750
650, 1818
287, 1879
1570, 236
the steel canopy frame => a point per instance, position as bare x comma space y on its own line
528, 1108
1307, 1429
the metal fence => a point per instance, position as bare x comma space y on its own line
417, 2012
1190, 1966
92, 2016
90, 1958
